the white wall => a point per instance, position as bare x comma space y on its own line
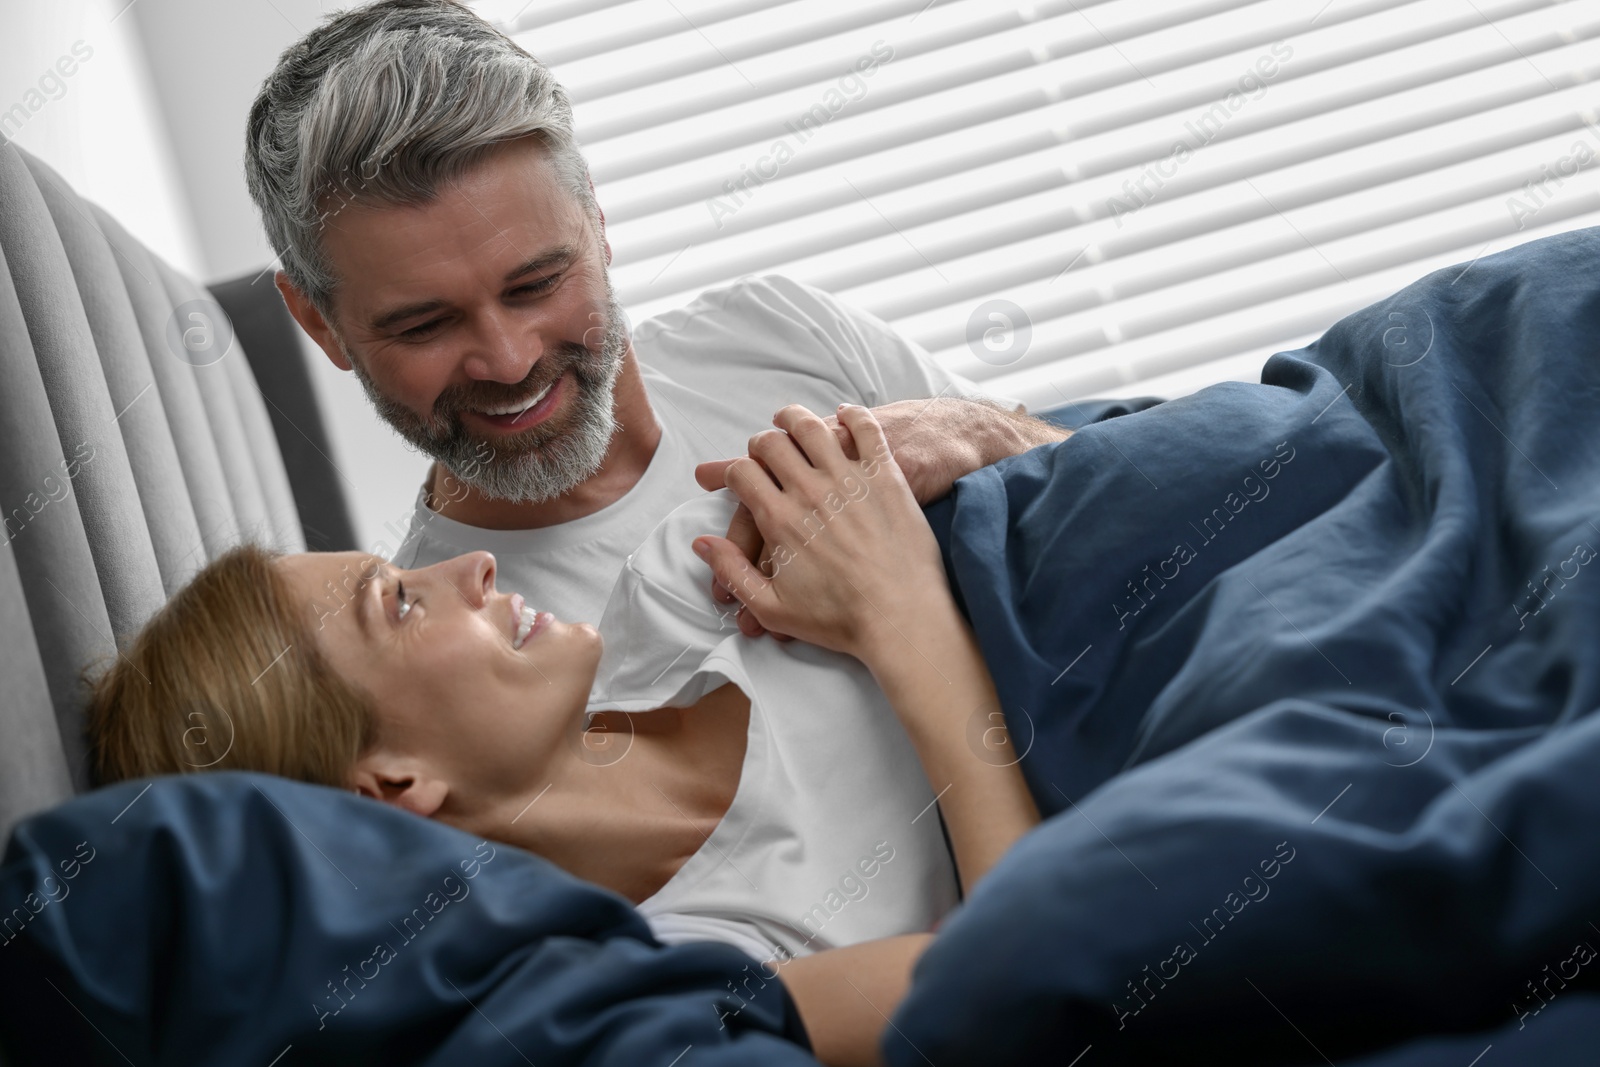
101, 127
151, 127
209, 59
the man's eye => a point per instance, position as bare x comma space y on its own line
402, 605
541, 286
428, 329
417, 333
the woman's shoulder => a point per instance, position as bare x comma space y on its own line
660, 622
664, 558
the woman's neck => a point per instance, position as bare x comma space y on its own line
635, 796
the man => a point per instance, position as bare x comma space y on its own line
417, 174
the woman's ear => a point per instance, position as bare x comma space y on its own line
405, 783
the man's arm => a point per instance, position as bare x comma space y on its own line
867, 360
935, 441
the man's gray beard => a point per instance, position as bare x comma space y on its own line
542, 462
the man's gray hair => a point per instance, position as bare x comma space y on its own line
383, 104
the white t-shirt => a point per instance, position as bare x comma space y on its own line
716, 372
832, 837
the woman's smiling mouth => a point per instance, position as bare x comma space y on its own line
526, 621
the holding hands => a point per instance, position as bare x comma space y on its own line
846, 552
847, 561
829, 545
935, 442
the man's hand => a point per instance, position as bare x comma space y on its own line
934, 442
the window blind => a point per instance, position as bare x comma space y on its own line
1070, 198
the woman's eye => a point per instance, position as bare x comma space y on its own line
402, 605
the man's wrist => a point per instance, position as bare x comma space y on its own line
1008, 433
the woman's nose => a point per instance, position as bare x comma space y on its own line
472, 575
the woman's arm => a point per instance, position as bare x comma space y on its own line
853, 566
928, 665
846, 995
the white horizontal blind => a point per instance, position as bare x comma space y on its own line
1076, 197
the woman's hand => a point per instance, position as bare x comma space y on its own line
935, 442
852, 566
848, 551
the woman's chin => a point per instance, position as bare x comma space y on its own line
565, 652
585, 635
594, 644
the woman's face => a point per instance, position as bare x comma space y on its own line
471, 702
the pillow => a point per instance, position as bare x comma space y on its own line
232, 917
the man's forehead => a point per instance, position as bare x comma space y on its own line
505, 217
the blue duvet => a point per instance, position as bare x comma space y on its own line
1301, 674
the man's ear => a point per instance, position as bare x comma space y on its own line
604, 241
405, 783
311, 320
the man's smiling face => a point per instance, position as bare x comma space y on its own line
484, 317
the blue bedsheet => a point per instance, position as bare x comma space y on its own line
1304, 674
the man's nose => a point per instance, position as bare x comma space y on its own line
501, 352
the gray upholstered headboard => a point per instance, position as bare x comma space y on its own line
128, 459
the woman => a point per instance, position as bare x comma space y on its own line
414, 688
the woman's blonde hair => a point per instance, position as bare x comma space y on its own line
228, 676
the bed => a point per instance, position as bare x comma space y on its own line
1339, 748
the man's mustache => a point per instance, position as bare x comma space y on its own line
457, 399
